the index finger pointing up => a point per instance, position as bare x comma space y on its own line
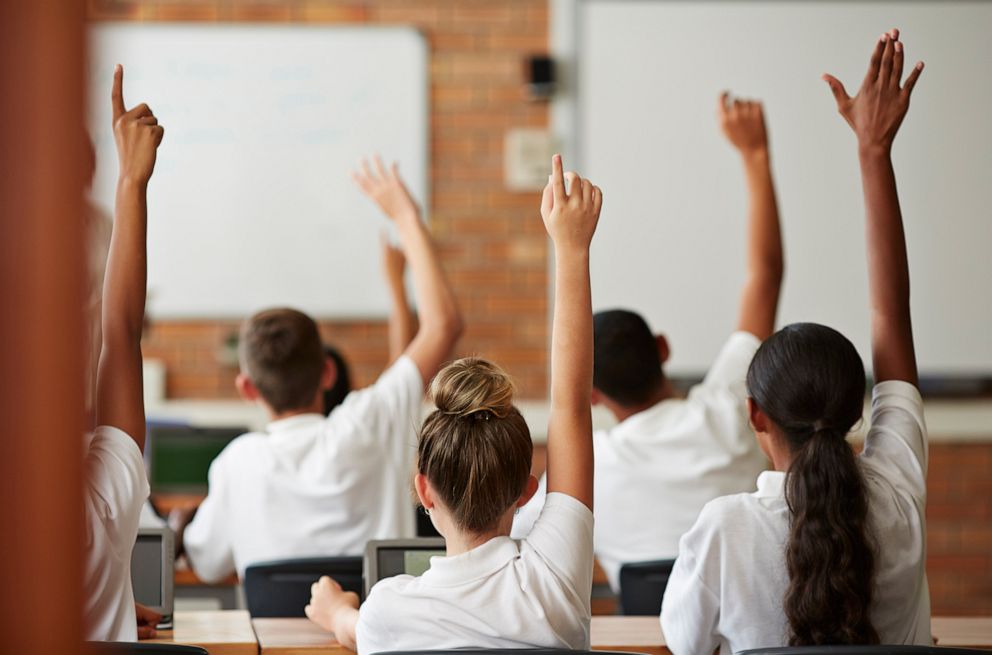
117, 92
557, 178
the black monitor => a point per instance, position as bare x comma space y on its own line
179, 456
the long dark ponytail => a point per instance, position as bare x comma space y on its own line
810, 381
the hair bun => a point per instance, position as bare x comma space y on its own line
473, 387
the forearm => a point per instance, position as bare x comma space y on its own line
126, 276
764, 231
888, 269
438, 309
401, 324
344, 624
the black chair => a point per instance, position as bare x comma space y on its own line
282, 588
138, 648
505, 651
863, 650
642, 586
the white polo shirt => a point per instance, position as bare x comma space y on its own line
502, 594
116, 487
730, 578
656, 469
314, 486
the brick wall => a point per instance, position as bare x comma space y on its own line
959, 528
491, 240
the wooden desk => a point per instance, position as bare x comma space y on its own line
965, 631
295, 637
640, 634
226, 632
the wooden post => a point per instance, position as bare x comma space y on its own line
41, 325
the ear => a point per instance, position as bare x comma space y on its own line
529, 491
424, 493
595, 397
246, 388
330, 374
664, 352
759, 420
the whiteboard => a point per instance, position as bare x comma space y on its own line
251, 204
671, 239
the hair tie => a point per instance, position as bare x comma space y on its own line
481, 415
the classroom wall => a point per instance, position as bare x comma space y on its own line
492, 240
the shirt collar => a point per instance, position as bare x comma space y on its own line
480, 562
771, 484
293, 422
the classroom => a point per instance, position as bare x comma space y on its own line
547, 326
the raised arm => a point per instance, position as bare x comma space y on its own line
119, 399
440, 318
875, 114
401, 322
570, 219
743, 123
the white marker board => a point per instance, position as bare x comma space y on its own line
251, 204
671, 239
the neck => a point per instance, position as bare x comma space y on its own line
315, 407
623, 412
458, 541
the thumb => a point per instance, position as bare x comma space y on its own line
117, 92
840, 94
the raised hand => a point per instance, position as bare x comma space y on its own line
743, 123
570, 217
386, 189
333, 609
877, 111
136, 132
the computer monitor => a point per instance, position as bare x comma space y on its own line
385, 558
152, 569
179, 456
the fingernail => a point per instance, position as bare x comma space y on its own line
898, 46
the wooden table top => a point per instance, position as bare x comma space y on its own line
641, 634
224, 632
301, 637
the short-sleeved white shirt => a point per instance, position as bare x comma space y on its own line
116, 488
502, 594
730, 578
314, 486
656, 469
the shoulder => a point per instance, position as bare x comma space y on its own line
240, 450
896, 443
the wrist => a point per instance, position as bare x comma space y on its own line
128, 182
571, 251
874, 150
407, 217
755, 156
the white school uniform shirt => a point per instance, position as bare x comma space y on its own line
313, 485
502, 594
656, 469
730, 578
116, 488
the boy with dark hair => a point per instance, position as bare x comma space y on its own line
315, 485
668, 456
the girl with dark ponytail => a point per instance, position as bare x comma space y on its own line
831, 547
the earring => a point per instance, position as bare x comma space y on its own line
427, 511
516, 512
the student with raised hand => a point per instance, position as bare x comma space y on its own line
474, 458
681, 452
402, 326
116, 486
831, 548
315, 485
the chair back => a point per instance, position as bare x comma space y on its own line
642, 586
282, 588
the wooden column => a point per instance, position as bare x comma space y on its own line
41, 339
